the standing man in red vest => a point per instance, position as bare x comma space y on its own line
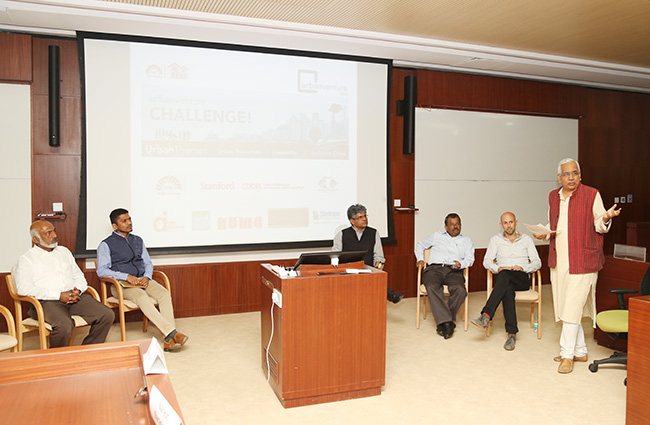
578, 220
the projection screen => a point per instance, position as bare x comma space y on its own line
216, 149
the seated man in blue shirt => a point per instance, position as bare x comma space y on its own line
450, 252
124, 257
360, 237
510, 256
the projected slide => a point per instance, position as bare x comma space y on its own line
221, 147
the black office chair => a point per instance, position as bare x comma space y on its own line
615, 322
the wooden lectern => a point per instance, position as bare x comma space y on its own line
329, 337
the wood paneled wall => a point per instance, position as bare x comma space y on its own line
614, 146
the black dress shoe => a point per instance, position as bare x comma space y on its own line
441, 329
394, 297
448, 329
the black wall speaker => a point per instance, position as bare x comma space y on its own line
406, 109
53, 94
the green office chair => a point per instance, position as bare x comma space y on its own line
614, 322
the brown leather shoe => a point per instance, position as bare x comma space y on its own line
181, 338
171, 345
575, 359
566, 366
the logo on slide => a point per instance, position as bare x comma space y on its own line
169, 185
177, 72
308, 83
154, 71
162, 223
327, 183
173, 71
326, 216
200, 220
307, 80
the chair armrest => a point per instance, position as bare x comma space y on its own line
162, 278
92, 291
489, 282
105, 283
619, 295
11, 323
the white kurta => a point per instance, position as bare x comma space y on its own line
574, 295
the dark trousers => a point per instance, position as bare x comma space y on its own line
433, 278
59, 316
506, 282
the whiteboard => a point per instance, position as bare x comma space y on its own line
480, 164
15, 172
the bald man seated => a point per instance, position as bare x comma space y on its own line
49, 273
510, 256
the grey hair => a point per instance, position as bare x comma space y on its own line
355, 209
33, 231
566, 161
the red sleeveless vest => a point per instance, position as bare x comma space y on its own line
585, 244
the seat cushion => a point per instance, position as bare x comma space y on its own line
33, 323
528, 295
128, 303
423, 290
7, 342
613, 321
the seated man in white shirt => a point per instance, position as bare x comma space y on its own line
510, 256
450, 252
49, 273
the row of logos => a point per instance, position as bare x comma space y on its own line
203, 221
171, 185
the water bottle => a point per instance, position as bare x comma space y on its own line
535, 325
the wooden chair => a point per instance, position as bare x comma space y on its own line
124, 305
422, 293
532, 296
8, 341
39, 324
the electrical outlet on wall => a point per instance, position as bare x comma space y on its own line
623, 199
277, 297
617, 200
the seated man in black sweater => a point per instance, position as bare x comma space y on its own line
360, 237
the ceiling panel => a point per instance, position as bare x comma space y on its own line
601, 30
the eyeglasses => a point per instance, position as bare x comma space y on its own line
360, 217
572, 173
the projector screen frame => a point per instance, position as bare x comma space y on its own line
82, 251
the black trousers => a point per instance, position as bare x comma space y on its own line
506, 283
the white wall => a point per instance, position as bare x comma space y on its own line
15, 173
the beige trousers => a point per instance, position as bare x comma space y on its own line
163, 319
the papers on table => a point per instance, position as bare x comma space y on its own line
161, 411
539, 229
153, 361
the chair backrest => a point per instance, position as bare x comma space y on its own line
645, 283
427, 252
11, 286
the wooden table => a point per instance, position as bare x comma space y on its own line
90, 384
